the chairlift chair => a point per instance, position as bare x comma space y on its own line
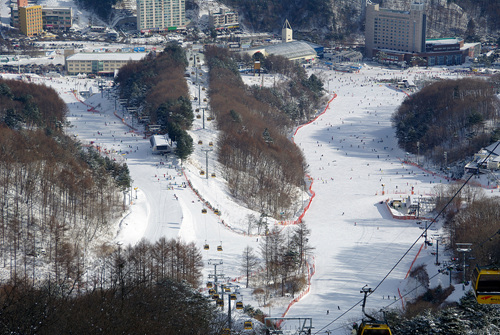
202, 173
220, 302
233, 296
248, 325
239, 305
206, 247
210, 284
219, 248
204, 211
213, 175
211, 291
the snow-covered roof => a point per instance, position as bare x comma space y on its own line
443, 41
294, 49
491, 148
108, 56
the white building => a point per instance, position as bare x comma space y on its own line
162, 144
161, 15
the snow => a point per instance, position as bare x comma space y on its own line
353, 159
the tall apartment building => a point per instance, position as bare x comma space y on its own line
158, 15
395, 30
30, 19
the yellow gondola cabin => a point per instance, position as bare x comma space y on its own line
374, 328
486, 284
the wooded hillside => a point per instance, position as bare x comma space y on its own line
458, 117
262, 166
157, 87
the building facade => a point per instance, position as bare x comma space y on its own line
161, 15
100, 63
396, 30
57, 18
30, 20
223, 19
52, 18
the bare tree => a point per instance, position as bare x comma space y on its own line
249, 262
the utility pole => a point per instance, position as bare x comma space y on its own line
464, 248
437, 252
418, 150
206, 154
203, 117
215, 263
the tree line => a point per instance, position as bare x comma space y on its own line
157, 87
262, 166
282, 267
472, 217
298, 96
41, 108
165, 307
453, 116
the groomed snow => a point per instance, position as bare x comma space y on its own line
352, 155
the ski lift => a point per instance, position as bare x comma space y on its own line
204, 99
227, 289
211, 291
206, 247
209, 284
210, 144
371, 326
233, 297
219, 247
374, 328
239, 305
215, 296
200, 142
248, 325
217, 212
486, 284
198, 116
202, 173
213, 175
220, 302
204, 211
203, 88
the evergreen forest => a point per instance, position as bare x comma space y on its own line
157, 88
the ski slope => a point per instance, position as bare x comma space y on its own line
353, 159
